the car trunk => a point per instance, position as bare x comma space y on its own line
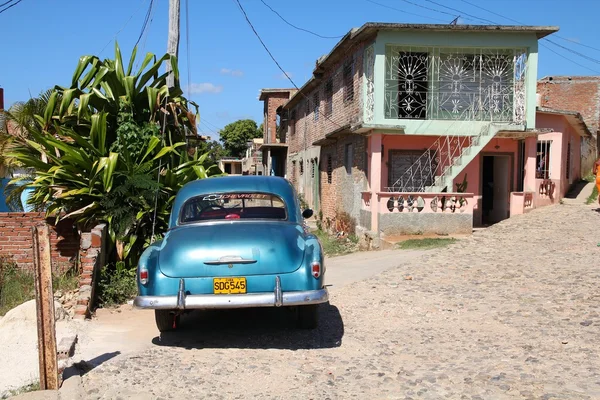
232, 249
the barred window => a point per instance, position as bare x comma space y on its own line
329, 168
301, 167
316, 105
349, 81
543, 159
349, 157
328, 98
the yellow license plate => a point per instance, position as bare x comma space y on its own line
229, 285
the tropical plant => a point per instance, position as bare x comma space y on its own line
115, 150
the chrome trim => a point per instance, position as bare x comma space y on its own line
278, 293
181, 295
216, 301
230, 260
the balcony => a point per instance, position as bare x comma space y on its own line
455, 84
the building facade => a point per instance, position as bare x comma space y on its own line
416, 129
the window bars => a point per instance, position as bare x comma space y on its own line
542, 159
455, 84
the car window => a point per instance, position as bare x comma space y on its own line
233, 206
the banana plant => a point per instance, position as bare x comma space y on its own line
109, 149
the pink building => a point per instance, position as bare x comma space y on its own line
424, 129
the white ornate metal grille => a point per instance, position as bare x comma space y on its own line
370, 84
455, 84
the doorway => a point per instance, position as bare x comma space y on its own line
496, 185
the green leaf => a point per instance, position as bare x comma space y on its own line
81, 66
109, 169
50, 107
118, 62
131, 60
98, 132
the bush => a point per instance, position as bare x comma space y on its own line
345, 224
18, 285
117, 285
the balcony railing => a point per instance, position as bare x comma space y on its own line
455, 84
419, 202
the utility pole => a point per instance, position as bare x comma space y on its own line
173, 41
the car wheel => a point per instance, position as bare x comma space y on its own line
166, 320
308, 316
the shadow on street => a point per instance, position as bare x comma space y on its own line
254, 328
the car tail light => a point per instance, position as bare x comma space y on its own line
143, 276
316, 269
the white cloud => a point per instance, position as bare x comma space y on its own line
207, 87
232, 72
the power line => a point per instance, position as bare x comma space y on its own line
10, 6
429, 8
405, 12
3, 4
462, 12
146, 34
491, 12
514, 20
519, 22
146, 19
123, 27
592, 59
275, 61
569, 59
297, 27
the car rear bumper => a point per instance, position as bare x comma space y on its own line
277, 298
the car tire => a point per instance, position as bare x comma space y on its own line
308, 316
166, 320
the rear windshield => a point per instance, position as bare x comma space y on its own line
233, 206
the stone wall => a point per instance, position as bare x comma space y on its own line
398, 224
341, 191
16, 240
92, 257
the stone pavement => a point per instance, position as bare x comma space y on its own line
511, 312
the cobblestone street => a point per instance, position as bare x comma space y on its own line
511, 312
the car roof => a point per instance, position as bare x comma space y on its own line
244, 183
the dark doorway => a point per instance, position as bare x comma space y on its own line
487, 192
495, 191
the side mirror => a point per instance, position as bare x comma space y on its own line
307, 213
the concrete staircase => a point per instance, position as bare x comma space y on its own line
445, 180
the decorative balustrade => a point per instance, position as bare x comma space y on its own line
421, 202
520, 202
546, 188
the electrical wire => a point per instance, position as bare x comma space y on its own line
275, 61
146, 19
123, 27
5, 3
519, 22
462, 12
569, 59
405, 12
297, 27
10, 6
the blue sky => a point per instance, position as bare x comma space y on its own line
42, 41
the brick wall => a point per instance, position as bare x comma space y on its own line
577, 93
93, 258
16, 240
306, 129
342, 192
272, 102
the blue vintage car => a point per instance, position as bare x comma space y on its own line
233, 242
